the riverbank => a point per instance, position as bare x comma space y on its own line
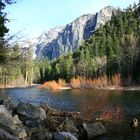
130, 88
53, 85
30, 122
17, 86
81, 83
78, 83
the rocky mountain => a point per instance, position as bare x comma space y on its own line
61, 40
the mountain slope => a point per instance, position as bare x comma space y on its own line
61, 40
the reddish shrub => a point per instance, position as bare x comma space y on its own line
53, 85
100, 82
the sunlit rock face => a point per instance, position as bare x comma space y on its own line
61, 40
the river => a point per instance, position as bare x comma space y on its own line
116, 107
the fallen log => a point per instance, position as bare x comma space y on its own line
55, 117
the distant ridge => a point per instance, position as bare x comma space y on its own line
62, 40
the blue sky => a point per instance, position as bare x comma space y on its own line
32, 17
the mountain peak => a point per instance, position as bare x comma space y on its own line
64, 39
107, 11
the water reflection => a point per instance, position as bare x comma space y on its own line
85, 101
97, 104
116, 107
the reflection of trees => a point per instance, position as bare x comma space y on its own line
98, 104
92, 101
112, 114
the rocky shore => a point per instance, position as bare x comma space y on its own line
24, 121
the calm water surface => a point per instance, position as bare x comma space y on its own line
116, 107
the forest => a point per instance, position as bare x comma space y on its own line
112, 53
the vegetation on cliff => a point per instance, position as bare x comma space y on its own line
114, 49
110, 57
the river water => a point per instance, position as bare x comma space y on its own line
116, 107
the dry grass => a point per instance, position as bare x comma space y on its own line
62, 82
100, 82
76, 82
82, 82
117, 80
53, 85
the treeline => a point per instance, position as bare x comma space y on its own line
16, 62
16, 66
113, 49
8, 54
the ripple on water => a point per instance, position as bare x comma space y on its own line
111, 105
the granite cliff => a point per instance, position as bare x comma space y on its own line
61, 40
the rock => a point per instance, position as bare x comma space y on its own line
32, 130
134, 123
6, 136
62, 40
30, 111
49, 136
63, 136
26, 138
16, 120
1, 102
5, 115
3, 95
82, 135
33, 123
6, 120
39, 136
95, 129
68, 126
10, 105
21, 133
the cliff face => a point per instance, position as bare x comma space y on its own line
61, 40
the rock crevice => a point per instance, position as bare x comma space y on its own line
61, 40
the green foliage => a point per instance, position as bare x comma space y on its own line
114, 48
9, 66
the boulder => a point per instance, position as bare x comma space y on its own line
34, 123
6, 120
134, 123
49, 136
21, 133
82, 135
26, 138
3, 95
30, 111
68, 126
39, 136
10, 105
63, 136
4, 135
32, 130
5, 115
1, 101
36, 133
95, 129
16, 120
